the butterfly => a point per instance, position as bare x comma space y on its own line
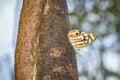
80, 39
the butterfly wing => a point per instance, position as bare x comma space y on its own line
81, 40
86, 38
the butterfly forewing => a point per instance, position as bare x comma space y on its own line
80, 39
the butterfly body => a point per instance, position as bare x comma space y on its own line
80, 39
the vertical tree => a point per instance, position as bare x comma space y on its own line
43, 51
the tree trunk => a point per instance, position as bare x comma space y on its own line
43, 51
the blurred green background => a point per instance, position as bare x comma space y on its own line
101, 59
98, 61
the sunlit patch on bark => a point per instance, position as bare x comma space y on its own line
55, 52
47, 77
58, 68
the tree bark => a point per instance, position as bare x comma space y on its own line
43, 51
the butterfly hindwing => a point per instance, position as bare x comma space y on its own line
81, 39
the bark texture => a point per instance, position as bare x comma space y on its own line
43, 51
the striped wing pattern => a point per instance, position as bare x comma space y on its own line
81, 39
